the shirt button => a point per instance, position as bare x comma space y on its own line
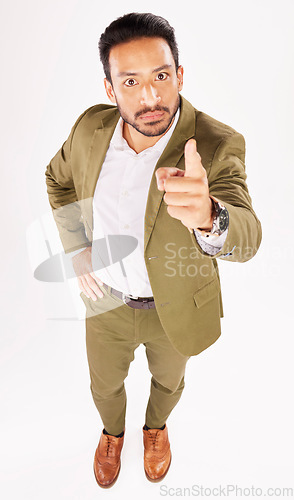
126, 226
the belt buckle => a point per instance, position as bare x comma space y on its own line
130, 297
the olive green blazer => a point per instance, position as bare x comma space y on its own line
184, 279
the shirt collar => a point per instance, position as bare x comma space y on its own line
119, 143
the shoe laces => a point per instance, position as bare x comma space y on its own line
109, 446
153, 438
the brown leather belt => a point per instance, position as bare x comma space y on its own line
137, 303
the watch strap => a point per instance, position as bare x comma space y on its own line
221, 218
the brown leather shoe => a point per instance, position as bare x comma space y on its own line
157, 454
107, 459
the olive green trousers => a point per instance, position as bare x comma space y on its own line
113, 332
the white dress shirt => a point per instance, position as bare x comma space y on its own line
119, 206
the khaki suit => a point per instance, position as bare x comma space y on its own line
189, 306
184, 279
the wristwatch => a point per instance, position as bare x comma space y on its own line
220, 220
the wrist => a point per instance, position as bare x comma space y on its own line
208, 224
220, 220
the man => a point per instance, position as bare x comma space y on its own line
153, 167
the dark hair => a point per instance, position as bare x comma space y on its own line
133, 26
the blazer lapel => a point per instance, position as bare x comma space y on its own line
96, 155
171, 156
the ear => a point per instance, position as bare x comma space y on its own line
180, 76
109, 91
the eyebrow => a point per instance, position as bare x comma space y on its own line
128, 73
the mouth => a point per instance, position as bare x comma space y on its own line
152, 116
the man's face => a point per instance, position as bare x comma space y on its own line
145, 84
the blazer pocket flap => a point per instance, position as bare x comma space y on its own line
207, 293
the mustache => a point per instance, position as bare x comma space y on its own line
151, 110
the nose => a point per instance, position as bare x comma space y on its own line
149, 96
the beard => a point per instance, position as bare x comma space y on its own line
154, 128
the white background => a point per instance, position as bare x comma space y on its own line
234, 423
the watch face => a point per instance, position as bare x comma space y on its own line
223, 220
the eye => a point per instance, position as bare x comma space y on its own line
162, 76
130, 82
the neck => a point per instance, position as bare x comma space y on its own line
137, 141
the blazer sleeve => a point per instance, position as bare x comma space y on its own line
63, 197
227, 183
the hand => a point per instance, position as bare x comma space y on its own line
187, 192
87, 280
